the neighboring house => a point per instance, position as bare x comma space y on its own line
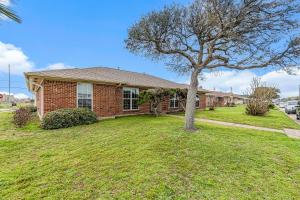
6, 98
108, 92
222, 98
239, 99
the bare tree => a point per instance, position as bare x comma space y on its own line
209, 34
7, 12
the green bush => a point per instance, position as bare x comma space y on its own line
31, 108
21, 117
271, 106
64, 118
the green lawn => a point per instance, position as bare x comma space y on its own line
274, 119
4, 105
144, 157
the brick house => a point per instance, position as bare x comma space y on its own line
222, 98
108, 92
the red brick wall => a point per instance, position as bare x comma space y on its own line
104, 100
107, 100
59, 94
202, 101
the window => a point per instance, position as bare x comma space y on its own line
130, 98
173, 101
84, 95
197, 101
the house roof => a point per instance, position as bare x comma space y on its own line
218, 94
106, 75
223, 94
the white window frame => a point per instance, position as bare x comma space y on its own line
92, 94
130, 98
174, 99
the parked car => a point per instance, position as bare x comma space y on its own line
298, 111
282, 105
290, 107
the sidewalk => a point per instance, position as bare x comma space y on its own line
293, 133
7, 110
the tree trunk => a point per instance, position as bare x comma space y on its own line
191, 101
155, 111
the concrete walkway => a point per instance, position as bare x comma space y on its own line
7, 110
293, 133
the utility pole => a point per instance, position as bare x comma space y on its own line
9, 84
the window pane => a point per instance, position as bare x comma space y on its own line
135, 93
176, 104
130, 98
135, 104
85, 103
197, 101
171, 103
126, 94
84, 95
126, 104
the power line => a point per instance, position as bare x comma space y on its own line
9, 83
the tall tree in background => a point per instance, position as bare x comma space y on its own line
210, 34
7, 12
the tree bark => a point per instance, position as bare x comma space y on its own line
191, 101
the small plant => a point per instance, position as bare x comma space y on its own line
31, 108
212, 108
230, 104
64, 118
21, 117
271, 106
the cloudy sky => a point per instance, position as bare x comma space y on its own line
59, 34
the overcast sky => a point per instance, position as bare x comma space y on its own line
63, 34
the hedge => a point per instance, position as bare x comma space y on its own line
64, 118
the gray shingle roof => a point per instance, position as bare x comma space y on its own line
222, 94
108, 75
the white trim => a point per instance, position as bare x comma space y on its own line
130, 89
92, 94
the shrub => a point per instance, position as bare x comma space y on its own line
257, 108
271, 106
212, 107
21, 117
230, 104
260, 97
31, 108
64, 118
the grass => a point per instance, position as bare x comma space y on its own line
274, 119
4, 105
143, 157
